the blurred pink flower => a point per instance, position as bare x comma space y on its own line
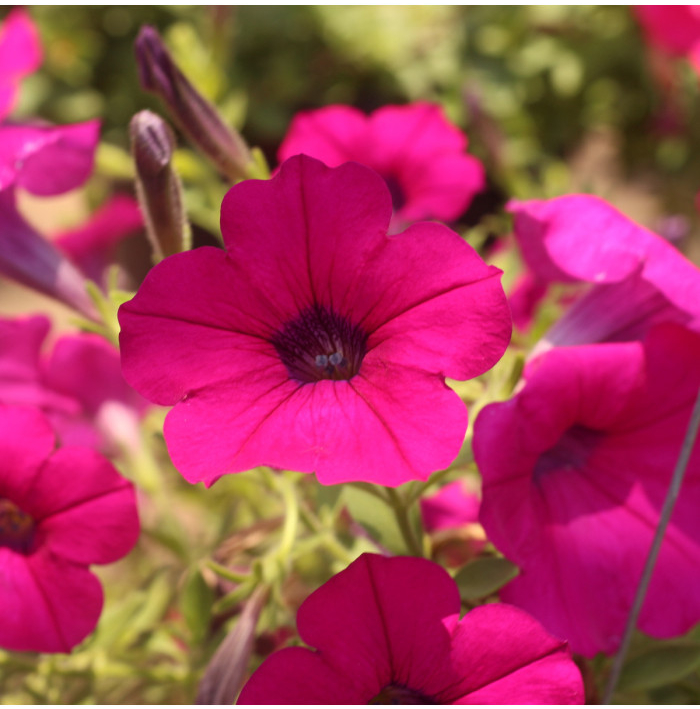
387, 631
575, 470
20, 54
60, 511
92, 246
315, 342
636, 278
419, 153
78, 386
452, 506
674, 29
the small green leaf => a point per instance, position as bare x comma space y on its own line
482, 577
195, 603
660, 666
376, 516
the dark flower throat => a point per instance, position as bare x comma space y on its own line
321, 344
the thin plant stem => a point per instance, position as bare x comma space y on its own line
666, 512
398, 504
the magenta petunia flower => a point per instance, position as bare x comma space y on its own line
452, 506
387, 631
419, 153
20, 54
92, 246
576, 467
636, 278
674, 29
60, 511
78, 386
315, 342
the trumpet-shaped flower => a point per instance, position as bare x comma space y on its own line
387, 631
315, 342
60, 511
419, 153
576, 467
78, 386
636, 278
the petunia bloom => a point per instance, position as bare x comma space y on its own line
315, 342
419, 153
92, 246
78, 385
674, 29
387, 631
20, 54
636, 278
576, 468
60, 511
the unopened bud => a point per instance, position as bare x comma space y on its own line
158, 186
195, 116
225, 675
27, 257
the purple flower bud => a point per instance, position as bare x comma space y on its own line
157, 184
191, 111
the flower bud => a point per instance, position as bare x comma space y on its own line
27, 257
225, 675
191, 111
157, 185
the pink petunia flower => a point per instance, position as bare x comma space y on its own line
315, 342
92, 246
387, 631
636, 278
20, 54
60, 511
576, 468
419, 153
78, 386
452, 506
674, 29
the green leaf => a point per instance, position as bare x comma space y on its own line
195, 603
660, 666
376, 516
482, 577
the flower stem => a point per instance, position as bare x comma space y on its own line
400, 507
666, 512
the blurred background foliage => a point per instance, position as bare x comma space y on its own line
554, 99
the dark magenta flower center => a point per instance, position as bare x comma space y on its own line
570, 452
16, 527
398, 196
320, 344
398, 694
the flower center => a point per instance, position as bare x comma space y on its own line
16, 527
570, 452
398, 196
320, 344
398, 694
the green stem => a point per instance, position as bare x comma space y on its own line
398, 504
666, 512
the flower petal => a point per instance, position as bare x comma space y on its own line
49, 605
85, 511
